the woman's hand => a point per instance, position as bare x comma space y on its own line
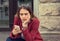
16, 30
25, 24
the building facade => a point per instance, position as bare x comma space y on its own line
47, 11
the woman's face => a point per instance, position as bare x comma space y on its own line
24, 15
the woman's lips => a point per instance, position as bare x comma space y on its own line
24, 19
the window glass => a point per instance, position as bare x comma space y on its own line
4, 13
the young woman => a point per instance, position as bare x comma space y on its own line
25, 27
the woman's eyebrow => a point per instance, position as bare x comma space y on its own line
22, 13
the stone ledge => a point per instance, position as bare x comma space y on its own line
50, 32
45, 1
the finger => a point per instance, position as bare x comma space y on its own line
26, 21
14, 32
19, 31
17, 27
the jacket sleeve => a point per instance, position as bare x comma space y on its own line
33, 35
15, 23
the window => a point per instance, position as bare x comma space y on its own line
26, 2
4, 13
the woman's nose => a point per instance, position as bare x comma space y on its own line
23, 16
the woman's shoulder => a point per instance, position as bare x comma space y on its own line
35, 19
16, 17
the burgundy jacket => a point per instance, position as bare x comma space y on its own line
30, 34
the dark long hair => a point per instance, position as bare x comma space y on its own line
27, 8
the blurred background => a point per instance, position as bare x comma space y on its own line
47, 11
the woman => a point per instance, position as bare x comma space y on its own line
25, 26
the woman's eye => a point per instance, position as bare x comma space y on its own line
25, 13
21, 14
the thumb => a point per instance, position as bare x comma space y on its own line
26, 21
19, 31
